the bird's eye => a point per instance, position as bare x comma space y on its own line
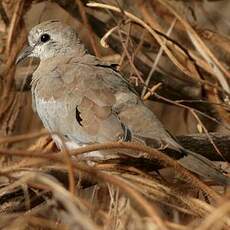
45, 38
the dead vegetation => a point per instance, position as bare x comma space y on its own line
176, 54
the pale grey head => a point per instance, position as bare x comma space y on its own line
51, 38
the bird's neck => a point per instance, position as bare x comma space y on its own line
76, 48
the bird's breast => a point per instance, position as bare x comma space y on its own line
52, 112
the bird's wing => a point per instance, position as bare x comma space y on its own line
89, 100
103, 91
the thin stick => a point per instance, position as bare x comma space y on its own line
157, 59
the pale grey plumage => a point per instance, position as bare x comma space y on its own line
68, 79
86, 100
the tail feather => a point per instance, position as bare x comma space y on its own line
198, 163
191, 160
203, 167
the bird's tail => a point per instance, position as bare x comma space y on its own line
193, 161
203, 167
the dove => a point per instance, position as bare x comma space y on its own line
86, 100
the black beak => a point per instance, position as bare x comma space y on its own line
24, 53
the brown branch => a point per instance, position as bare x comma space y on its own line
152, 153
200, 143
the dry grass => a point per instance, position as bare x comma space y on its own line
170, 54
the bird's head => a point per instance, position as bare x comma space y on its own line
49, 39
